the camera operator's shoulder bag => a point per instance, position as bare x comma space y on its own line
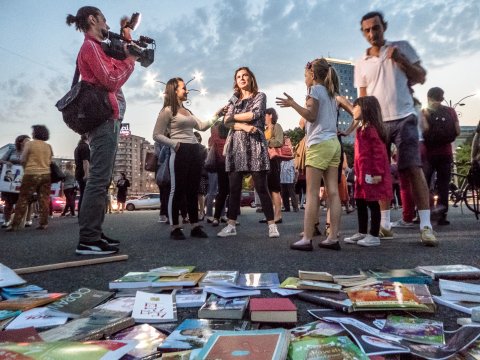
85, 106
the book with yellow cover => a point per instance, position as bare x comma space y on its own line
28, 303
188, 279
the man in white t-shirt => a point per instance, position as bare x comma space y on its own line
387, 71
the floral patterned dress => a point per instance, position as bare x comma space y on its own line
244, 151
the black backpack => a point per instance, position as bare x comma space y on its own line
441, 126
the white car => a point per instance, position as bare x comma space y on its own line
147, 201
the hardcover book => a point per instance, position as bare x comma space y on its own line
188, 279
258, 281
219, 277
335, 347
91, 350
148, 339
385, 296
252, 345
221, 308
28, 303
133, 280
194, 333
154, 308
75, 303
8, 277
94, 325
190, 297
281, 310
409, 276
417, 330
36, 318
172, 270
450, 271
315, 275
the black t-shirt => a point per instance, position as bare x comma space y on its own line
122, 186
82, 152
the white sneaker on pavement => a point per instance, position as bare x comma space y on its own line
162, 219
369, 240
273, 231
428, 237
228, 230
354, 238
402, 224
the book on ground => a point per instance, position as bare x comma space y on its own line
317, 328
133, 280
338, 301
94, 324
220, 308
188, 279
172, 270
24, 290
318, 285
409, 276
28, 334
315, 275
190, 297
122, 304
450, 271
154, 308
280, 310
6, 314
462, 306
91, 350
459, 291
229, 291
258, 281
251, 344
30, 302
194, 333
8, 277
334, 347
148, 339
423, 331
220, 277
36, 318
75, 303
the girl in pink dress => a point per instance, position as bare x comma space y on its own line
373, 181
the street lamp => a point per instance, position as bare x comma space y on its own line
459, 102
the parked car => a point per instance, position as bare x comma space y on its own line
247, 199
58, 203
147, 201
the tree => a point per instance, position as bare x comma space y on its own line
295, 135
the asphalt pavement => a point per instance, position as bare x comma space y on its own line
148, 246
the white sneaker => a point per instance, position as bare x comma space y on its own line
162, 219
355, 238
228, 230
402, 224
273, 231
428, 237
369, 240
28, 223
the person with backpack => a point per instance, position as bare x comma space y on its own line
440, 127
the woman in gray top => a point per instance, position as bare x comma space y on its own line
246, 150
69, 189
185, 159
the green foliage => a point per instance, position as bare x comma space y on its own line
462, 158
295, 135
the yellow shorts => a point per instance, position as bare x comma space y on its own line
324, 155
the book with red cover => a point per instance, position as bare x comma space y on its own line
28, 334
281, 310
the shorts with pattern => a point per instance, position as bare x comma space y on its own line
404, 134
324, 154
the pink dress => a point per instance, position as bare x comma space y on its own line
371, 158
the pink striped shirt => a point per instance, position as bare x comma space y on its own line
97, 68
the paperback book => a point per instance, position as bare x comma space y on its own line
148, 339
335, 347
409, 276
315, 329
219, 277
6, 314
190, 297
462, 306
24, 290
28, 303
8, 277
28, 334
220, 308
122, 304
229, 291
252, 344
417, 330
273, 310
36, 318
258, 281
194, 333
188, 279
450, 271
94, 325
75, 303
154, 308
338, 301
315, 275
133, 280
172, 270
459, 291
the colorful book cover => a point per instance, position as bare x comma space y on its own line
6, 314
133, 280
91, 350
75, 303
335, 347
172, 270
252, 345
220, 277
418, 330
154, 308
290, 283
28, 334
28, 303
409, 276
194, 333
220, 308
315, 329
188, 279
148, 339
36, 318
258, 281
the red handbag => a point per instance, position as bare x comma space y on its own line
285, 152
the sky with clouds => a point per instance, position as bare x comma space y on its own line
275, 38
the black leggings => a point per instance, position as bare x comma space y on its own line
223, 189
362, 213
260, 184
185, 171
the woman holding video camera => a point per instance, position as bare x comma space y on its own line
186, 156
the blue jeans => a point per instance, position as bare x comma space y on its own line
103, 146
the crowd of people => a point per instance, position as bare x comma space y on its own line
244, 136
